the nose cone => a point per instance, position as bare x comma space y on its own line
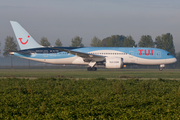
175, 59
170, 61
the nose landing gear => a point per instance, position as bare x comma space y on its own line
161, 67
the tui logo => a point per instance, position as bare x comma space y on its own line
145, 52
24, 42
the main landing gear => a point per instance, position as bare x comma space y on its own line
91, 68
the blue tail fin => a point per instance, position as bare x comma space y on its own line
24, 39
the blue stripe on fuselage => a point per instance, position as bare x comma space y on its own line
49, 53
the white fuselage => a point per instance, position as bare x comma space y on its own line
127, 58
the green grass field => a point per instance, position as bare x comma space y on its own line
58, 94
50, 98
83, 73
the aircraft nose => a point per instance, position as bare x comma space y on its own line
175, 59
170, 61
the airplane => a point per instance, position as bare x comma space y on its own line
110, 57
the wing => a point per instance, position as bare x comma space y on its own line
86, 56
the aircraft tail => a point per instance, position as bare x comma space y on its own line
24, 39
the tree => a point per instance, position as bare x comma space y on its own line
96, 42
129, 42
44, 42
146, 41
58, 43
76, 42
113, 41
0, 45
10, 45
178, 60
165, 42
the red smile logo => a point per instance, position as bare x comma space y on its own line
24, 42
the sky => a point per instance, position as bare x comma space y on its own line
66, 19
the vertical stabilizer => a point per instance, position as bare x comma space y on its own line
24, 39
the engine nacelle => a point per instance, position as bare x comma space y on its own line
114, 62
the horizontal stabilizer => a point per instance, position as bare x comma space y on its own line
20, 52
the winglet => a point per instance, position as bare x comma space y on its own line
24, 39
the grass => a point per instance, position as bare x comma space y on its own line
83, 73
97, 98
57, 94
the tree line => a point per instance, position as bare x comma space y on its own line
164, 41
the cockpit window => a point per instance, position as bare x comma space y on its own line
168, 54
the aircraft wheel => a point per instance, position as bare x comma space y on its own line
94, 68
89, 69
161, 68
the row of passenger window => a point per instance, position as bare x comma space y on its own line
101, 53
109, 53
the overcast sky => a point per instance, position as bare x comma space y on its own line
66, 19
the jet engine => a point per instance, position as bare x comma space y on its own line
114, 62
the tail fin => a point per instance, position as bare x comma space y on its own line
24, 39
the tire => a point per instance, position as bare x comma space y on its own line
94, 69
160, 69
89, 69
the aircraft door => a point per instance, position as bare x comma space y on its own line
131, 53
45, 53
158, 54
